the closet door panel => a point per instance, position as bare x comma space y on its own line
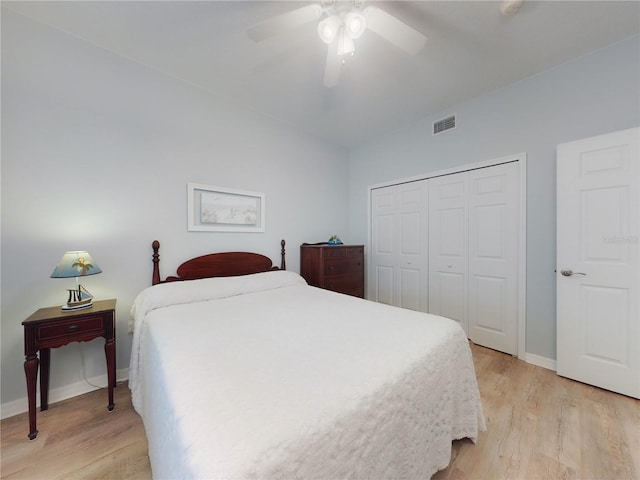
412, 246
450, 288
383, 245
448, 247
384, 283
493, 257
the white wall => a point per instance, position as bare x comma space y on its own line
96, 154
595, 94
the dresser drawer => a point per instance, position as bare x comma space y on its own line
72, 329
342, 251
349, 284
340, 266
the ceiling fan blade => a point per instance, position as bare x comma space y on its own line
393, 30
281, 23
334, 65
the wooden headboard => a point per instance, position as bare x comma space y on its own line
224, 264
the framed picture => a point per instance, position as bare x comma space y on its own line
216, 209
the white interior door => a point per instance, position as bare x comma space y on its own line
449, 247
493, 257
598, 279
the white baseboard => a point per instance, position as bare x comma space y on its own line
16, 407
540, 361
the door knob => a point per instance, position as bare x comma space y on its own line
567, 272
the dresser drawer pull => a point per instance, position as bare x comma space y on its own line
72, 328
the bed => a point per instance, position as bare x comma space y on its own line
241, 370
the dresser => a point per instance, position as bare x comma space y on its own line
339, 268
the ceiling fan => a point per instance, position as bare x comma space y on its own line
343, 22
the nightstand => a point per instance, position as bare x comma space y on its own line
50, 328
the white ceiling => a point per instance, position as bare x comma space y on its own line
471, 49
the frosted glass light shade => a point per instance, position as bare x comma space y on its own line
328, 28
355, 24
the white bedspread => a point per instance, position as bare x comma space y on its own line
265, 377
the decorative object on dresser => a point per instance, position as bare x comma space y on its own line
50, 328
74, 265
339, 268
334, 240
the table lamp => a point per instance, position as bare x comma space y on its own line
76, 264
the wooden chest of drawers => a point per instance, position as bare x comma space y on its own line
334, 267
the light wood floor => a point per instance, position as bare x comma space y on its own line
539, 426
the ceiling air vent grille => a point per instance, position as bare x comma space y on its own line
444, 124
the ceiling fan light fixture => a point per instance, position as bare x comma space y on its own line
328, 28
509, 8
345, 42
355, 24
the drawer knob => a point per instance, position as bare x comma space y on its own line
72, 328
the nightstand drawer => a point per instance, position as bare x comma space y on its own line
70, 329
339, 266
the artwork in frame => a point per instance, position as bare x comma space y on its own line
217, 209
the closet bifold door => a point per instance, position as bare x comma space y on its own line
382, 272
473, 253
493, 257
449, 247
399, 246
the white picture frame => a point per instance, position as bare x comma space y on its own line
219, 209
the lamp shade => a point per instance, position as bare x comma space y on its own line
76, 264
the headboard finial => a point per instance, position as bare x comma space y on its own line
156, 261
283, 264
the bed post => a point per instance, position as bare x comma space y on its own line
156, 261
283, 264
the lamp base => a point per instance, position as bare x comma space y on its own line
66, 308
79, 298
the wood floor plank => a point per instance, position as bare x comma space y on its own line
539, 426
78, 438
542, 426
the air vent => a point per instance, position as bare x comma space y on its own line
444, 124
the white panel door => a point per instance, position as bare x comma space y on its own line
412, 241
448, 247
383, 268
493, 257
598, 250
